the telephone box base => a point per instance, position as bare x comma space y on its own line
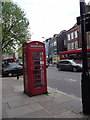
34, 95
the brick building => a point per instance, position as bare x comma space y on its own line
74, 38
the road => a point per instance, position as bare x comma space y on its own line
65, 81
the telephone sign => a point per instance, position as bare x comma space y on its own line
34, 68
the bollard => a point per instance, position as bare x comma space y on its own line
17, 74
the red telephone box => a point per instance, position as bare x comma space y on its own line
34, 68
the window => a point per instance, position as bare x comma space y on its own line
10, 60
79, 56
68, 63
51, 45
76, 45
65, 42
64, 56
72, 35
76, 34
73, 45
73, 56
64, 62
37, 53
68, 36
38, 72
69, 46
38, 67
54, 43
37, 57
88, 41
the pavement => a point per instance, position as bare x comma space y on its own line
55, 104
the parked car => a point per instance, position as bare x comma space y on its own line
7, 61
69, 65
12, 69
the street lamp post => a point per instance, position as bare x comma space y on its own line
85, 82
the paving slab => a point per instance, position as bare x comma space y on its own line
21, 102
72, 104
77, 110
5, 95
4, 115
43, 97
53, 107
36, 106
38, 114
16, 103
8, 99
18, 111
5, 106
62, 99
69, 114
33, 99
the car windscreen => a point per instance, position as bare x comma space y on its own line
13, 65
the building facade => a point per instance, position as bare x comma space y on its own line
74, 38
58, 44
88, 39
53, 49
61, 41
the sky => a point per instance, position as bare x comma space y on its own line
49, 17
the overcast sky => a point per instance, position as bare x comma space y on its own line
49, 17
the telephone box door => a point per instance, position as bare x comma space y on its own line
38, 63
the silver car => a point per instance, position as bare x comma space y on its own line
69, 65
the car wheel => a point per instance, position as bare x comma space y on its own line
10, 74
59, 69
74, 69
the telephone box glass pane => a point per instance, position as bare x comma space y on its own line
38, 62
38, 72
39, 85
37, 53
38, 81
38, 67
37, 58
38, 76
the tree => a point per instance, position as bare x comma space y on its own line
15, 27
19, 51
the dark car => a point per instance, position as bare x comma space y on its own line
12, 69
7, 61
69, 65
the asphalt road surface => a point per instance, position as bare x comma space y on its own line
65, 81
